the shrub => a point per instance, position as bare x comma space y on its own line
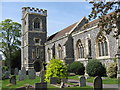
112, 70
77, 68
56, 68
95, 68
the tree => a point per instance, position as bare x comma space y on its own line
56, 68
107, 22
10, 39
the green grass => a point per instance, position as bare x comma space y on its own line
5, 83
76, 77
105, 81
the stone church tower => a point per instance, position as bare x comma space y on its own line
34, 35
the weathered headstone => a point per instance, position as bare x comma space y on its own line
21, 76
0, 73
13, 80
82, 81
98, 83
53, 80
41, 86
31, 74
16, 71
23, 72
7, 75
42, 76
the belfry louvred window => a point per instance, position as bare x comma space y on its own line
37, 23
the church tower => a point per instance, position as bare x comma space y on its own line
34, 35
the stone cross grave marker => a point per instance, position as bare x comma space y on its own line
13, 80
7, 75
53, 80
41, 86
82, 81
98, 83
16, 71
31, 74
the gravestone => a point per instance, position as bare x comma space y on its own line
98, 83
0, 73
20, 76
23, 72
82, 81
16, 71
53, 80
7, 75
42, 76
41, 86
13, 80
31, 74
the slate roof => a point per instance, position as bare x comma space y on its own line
62, 32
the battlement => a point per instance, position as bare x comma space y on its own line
34, 10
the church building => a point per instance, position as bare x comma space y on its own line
74, 43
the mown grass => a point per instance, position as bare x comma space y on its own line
107, 80
6, 83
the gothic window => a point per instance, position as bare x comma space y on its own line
49, 54
80, 49
60, 51
102, 46
37, 24
37, 52
89, 47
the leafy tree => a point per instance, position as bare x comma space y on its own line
101, 9
56, 68
10, 39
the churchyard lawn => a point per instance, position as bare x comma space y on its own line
106, 80
6, 83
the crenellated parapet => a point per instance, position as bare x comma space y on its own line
34, 10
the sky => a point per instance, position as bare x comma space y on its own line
60, 14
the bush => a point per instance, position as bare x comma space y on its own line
56, 68
77, 68
112, 70
95, 68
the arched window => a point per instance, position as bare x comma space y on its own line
80, 49
37, 24
89, 47
60, 51
49, 54
102, 46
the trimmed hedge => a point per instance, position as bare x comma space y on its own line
77, 68
95, 68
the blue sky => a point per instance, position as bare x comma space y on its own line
60, 14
